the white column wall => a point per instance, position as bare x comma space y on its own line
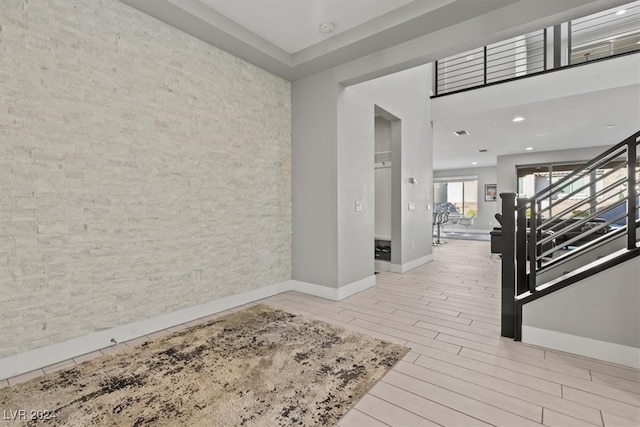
406, 96
314, 180
333, 168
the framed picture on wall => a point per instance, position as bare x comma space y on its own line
490, 192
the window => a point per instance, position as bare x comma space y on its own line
588, 188
456, 195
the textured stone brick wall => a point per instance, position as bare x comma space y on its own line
142, 171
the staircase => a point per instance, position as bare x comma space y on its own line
577, 227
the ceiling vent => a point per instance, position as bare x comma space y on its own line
461, 132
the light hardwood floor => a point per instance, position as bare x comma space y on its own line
460, 372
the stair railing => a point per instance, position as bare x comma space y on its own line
595, 203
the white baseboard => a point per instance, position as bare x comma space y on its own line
54, 353
403, 268
355, 287
382, 265
334, 294
460, 230
313, 289
480, 230
588, 347
35, 359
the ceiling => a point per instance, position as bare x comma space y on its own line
570, 122
567, 109
293, 25
283, 37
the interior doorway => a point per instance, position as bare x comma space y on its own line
387, 184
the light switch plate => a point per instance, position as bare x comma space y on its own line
412, 206
358, 206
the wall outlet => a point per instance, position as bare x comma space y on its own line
358, 206
412, 206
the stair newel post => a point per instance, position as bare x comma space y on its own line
538, 235
521, 247
508, 264
632, 197
533, 232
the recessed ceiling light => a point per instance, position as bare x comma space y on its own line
327, 27
518, 119
474, 163
529, 148
621, 11
610, 126
461, 132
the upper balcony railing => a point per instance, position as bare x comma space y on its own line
601, 35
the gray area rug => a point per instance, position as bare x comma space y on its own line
256, 367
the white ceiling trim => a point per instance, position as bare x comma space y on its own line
217, 20
412, 35
368, 29
293, 25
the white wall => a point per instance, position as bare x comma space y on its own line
143, 172
315, 179
604, 26
405, 96
485, 221
315, 144
333, 155
598, 317
383, 179
382, 135
383, 202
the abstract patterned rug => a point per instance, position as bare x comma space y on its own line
256, 367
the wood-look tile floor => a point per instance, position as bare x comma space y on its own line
460, 372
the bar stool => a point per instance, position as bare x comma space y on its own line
439, 218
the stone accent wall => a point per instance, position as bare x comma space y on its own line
142, 171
